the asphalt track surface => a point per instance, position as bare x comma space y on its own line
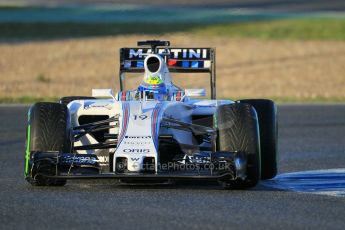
311, 137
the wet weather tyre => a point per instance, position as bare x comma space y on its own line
237, 126
67, 100
267, 115
48, 131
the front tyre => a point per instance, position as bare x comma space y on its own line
238, 131
268, 125
48, 131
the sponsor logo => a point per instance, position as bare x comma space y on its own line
177, 53
88, 160
89, 105
136, 143
138, 137
188, 53
135, 53
135, 159
136, 150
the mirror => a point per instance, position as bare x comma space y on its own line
195, 92
102, 93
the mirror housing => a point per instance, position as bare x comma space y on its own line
195, 92
103, 93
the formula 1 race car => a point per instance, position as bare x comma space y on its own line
156, 133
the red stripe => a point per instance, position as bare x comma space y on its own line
154, 123
123, 97
172, 62
178, 96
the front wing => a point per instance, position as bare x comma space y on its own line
85, 166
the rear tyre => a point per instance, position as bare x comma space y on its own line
267, 114
237, 126
48, 131
67, 100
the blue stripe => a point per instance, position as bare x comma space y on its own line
125, 106
140, 64
185, 64
155, 135
195, 64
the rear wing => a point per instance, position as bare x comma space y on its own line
178, 60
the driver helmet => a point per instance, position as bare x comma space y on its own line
154, 86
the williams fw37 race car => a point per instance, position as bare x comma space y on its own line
155, 133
